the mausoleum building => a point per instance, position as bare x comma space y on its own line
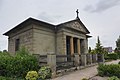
41, 37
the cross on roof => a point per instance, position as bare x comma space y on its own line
77, 13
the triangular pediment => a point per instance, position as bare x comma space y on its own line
77, 25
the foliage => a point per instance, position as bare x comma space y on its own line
117, 49
109, 70
113, 78
5, 51
89, 50
4, 59
22, 52
44, 73
112, 56
32, 75
118, 55
17, 66
119, 62
118, 43
99, 49
93, 52
8, 78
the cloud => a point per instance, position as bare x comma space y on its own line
46, 17
49, 18
102, 5
1, 2
3, 41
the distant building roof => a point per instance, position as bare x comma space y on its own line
108, 49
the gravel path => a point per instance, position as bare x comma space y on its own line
84, 73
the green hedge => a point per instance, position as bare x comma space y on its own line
112, 56
109, 70
9, 78
113, 78
17, 66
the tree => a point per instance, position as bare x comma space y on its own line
89, 50
99, 49
117, 49
118, 44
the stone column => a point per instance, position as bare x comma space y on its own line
100, 58
77, 60
51, 61
94, 58
71, 46
85, 46
89, 58
103, 60
64, 43
78, 46
83, 60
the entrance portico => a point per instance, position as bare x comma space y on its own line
75, 45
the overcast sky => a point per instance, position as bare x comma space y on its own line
101, 17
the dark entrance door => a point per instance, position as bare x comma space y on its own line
82, 46
68, 48
75, 45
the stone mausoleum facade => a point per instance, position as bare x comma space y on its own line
41, 37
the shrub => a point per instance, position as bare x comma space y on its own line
8, 78
118, 53
4, 59
44, 73
119, 62
32, 75
17, 66
112, 56
2, 78
113, 78
109, 70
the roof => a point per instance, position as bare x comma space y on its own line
78, 20
88, 36
109, 49
51, 26
26, 22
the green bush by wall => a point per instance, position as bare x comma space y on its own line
9, 78
32, 75
113, 78
44, 72
112, 56
17, 66
109, 70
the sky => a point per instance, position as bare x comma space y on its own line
101, 17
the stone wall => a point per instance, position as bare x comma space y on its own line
25, 36
44, 40
61, 42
